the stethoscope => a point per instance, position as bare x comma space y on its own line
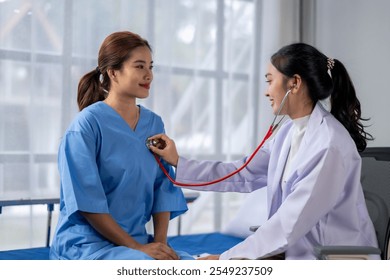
270, 131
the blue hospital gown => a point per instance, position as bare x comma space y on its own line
105, 167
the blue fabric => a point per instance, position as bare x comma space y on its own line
210, 243
185, 245
41, 253
105, 167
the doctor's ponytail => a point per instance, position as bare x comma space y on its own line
346, 106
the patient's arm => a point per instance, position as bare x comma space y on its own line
160, 223
110, 229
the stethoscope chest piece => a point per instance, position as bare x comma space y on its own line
158, 143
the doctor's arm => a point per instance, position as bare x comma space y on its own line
110, 229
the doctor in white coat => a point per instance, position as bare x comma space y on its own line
311, 167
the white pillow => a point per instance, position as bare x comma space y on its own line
252, 212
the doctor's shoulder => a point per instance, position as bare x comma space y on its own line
336, 131
283, 130
337, 137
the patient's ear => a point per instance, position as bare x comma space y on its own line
112, 74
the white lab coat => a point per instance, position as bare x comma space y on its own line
322, 203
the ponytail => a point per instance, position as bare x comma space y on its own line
346, 106
90, 89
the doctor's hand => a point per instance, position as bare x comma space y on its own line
158, 251
209, 257
165, 147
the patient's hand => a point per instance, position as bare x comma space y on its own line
167, 151
158, 251
209, 257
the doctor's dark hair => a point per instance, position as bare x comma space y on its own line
114, 51
312, 66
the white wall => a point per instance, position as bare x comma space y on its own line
357, 32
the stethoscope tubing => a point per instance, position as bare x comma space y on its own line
270, 131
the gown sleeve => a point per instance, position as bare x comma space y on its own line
81, 185
168, 198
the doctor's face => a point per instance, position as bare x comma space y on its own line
276, 89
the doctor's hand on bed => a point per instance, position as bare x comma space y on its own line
209, 257
164, 147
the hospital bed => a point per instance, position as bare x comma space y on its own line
194, 244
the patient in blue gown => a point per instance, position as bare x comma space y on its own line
111, 185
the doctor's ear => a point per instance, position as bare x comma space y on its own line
296, 82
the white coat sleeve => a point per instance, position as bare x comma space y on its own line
253, 177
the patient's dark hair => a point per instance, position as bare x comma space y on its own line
312, 66
114, 51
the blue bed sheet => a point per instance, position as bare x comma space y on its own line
211, 243
41, 253
194, 244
